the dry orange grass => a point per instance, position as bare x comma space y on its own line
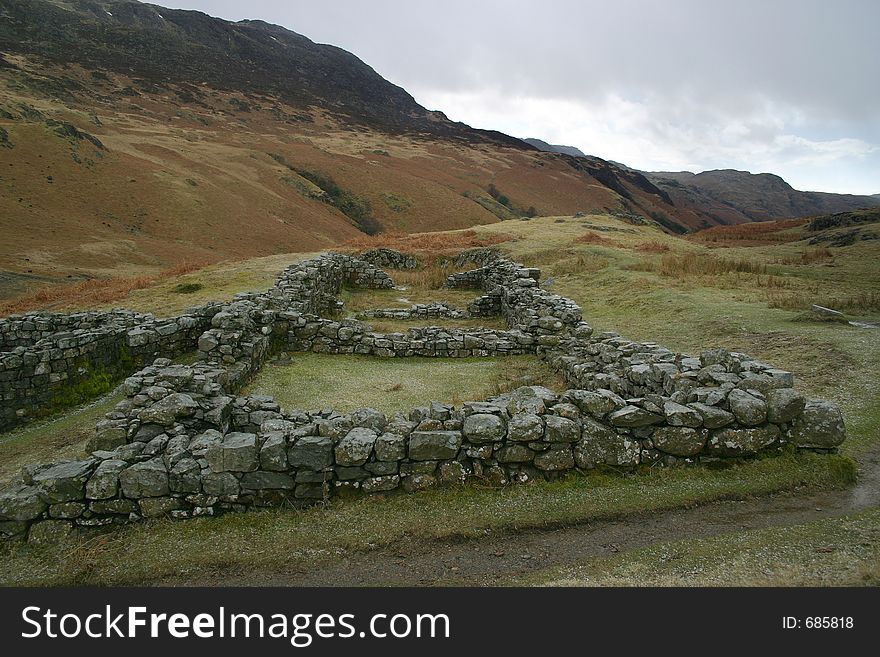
759, 232
594, 238
698, 264
809, 256
439, 243
91, 292
652, 247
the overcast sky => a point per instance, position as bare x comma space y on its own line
786, 86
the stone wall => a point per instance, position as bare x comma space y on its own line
389, 259
184, 443
49, 354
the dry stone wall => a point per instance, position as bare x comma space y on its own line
183, 442
44, 355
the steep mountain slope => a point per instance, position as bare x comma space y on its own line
737, 196
542, 145
133, 137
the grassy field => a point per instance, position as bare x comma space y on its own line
745, 294
284, 540
347, 383
830, 552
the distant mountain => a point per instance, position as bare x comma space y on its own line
731, 196
554, 148
250, 56
134, 137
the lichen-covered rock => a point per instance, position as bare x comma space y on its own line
679, 441
236, 453
311, 452
784, 405
525, 428
559, 457
156, 507
452, 472
104, 483
819, 426
267, 481
273, 453
221, 484
380, 484
634, 416
369, 418
185, 476
601, 445
390, 447
145, 479
419, 482
741, 442
514, 454
713, 416
597, 403
64, 481
561, 430
168, 410
678, 415
20, 502
434, 445
47, 532
747, 409
356, 447
483, 428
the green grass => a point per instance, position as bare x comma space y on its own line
275, 541
61, 437
346, 383
832, 552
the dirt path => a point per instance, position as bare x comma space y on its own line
498, 557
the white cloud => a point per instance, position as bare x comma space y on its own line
655, 135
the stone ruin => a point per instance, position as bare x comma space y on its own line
184, 443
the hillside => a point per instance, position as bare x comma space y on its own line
542, 145
738, 196
135, 137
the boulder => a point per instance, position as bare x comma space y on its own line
784, 405
748, 410
525, 428
713, 416
64, 481
559, 457
20, 502
185, 476
167, 411
273, 453
49, 531
483, 428
222, 484
356, 447
311, 452
434, 445
390, 447
678, 415
145, 479
633, 416
104, 484
819, 426
678, 441
236, 453
561, 430
741, 442
514, 454
597, 403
